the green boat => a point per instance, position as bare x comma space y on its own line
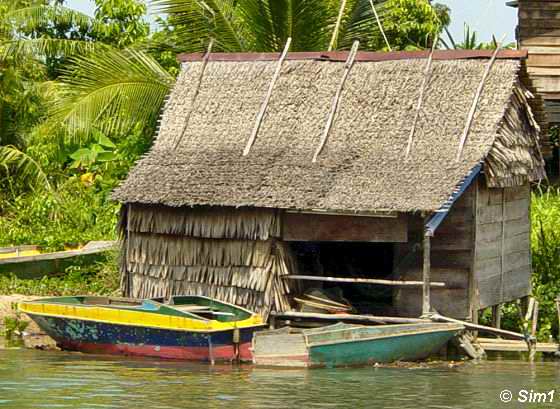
350, 345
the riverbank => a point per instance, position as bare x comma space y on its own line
32, 336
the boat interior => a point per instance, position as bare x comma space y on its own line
197, 307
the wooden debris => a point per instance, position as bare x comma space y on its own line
470, 346
264, 105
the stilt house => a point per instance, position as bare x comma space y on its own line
402, 178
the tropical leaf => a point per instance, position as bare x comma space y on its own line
110, 91
38, 16
199, 20
18, 162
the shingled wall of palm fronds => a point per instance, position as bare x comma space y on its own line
230, 254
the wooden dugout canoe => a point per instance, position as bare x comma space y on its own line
189, 327
28, 262
351, 345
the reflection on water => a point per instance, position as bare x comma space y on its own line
37, 379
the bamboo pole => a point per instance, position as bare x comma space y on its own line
397, 283
477, 96
380, 26
336, 99
349, 317
196, 91
425, 82
426, 303
264, 105
481, 328
497, 316
334, 37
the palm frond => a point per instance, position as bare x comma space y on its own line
199, 20
23, 48
111, 91
18, 162
38, 16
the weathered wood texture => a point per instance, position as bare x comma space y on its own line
451, 262
539, 34
316, 227
502, 262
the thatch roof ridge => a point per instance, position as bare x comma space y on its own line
362, 167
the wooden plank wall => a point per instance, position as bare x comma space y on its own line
451, 260
318, 227
539, 34
502, 263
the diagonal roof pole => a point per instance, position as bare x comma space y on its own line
380, 26
334, 107
477, 96
196, 91
334, 37
264, 105
425, 83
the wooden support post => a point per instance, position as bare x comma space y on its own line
497, 316
426, 303
533, 340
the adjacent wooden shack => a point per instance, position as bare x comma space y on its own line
255, 208
538, 32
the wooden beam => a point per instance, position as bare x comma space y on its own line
425, 83
396, 283
264, 105
348, 317
336, 99
477, 96
195, 93
558, 308
426, 303
481, 328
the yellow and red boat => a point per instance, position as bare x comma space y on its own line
184, 327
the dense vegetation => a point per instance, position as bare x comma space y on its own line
80, 96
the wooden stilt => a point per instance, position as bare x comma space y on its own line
264, 105
497, 316
426, 303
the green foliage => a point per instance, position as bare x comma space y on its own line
100, 279
470, 42
120, 22
14, 326
413, 24
74, 213
545, 238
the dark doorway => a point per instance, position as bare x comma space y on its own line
350, 260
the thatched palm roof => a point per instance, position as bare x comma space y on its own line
363, 165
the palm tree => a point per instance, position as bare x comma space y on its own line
112, 89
